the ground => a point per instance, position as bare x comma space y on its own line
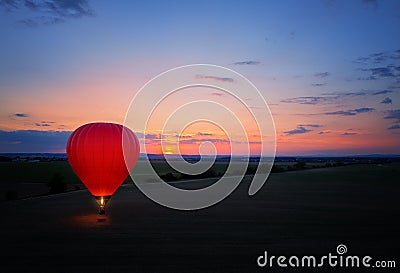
296, 213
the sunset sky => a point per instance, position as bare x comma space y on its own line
329, 70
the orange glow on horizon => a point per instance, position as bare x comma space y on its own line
90, 101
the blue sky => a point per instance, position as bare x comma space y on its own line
334, 64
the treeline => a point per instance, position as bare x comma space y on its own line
171, 176
56, 184
210, 173
251, 170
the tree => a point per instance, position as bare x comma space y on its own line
57, 183
300, 165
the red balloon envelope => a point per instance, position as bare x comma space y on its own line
102, 155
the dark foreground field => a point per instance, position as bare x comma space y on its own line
296, 213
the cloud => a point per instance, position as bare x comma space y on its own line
364, 110
9, 5
299, 130
41, 20
393, 114
349, 134
197, 141
382, 92
394, 127
69, 8
345, 94
33, 141
183, 136
49, 11
318, 84
379, 57
396, 85
153, 136
321, 75
21, 115
386, 66
342, 113
307, 100
387, 100
247, 63
222, 79
255, 142
310, 125
324, 132
381, 72
42, 124
351, 112
389, 71
204, 134
324, 98
148, 136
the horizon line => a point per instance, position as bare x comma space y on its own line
225, 155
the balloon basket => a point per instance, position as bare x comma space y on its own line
102, 202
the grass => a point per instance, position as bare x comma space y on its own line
36, 172
15, 175
359, 173
42, 172
306, 212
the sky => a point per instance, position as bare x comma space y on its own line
329, 70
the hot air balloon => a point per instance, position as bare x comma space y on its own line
102, 155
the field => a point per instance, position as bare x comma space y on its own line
306, 212
30, 178
39, 172
21, 179
36, 172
